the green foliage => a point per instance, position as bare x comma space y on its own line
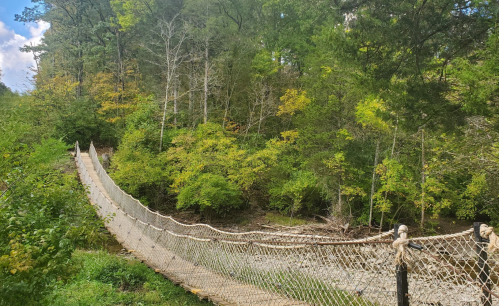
264, 64
125, 277
305, 94
43, 210
205, 163
397, 185
4, 89
129, 12
293, 102
290, 195
78, 122
104, 279
136, 166
475, 191
210, 191
369, 114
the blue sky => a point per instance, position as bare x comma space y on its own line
8, 8
13, 35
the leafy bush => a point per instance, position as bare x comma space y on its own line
120, 275
137, 167
210, 191
78, 122
44, 216
291, 195
105, 279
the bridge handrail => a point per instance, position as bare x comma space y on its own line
134, 207
292, 269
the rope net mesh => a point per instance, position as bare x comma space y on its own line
271, 268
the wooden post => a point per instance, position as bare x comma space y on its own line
484, 269
401, 273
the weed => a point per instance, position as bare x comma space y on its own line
105, 279
284, 220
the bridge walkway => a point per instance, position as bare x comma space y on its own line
204, 283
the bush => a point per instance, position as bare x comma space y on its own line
206, 165
105, 279
119, 274
45, 216
210, 191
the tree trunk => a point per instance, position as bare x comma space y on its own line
391, 157
371, 199
206, 67
339, 198
175, 96
226, 112
191, 88
79, 74
262, 101
423, 178
164, 118
120, 77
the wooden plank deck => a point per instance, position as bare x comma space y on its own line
204, 283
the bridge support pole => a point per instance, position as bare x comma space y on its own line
401, 274
483, 267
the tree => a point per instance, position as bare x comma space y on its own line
172, 35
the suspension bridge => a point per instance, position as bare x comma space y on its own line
273, 268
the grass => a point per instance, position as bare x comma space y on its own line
104, 279
284, 220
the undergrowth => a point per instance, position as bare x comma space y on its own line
104, 279
284, 220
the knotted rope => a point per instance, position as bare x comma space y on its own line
487, 232
402, 257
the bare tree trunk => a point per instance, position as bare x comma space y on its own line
391, 157
371, 199
206, 68
423, 178
191, 88
226, 111
169, 61
250, 119
164, 118
79, 75
175, 97
227, 105
340, 208
120, 82
262, 101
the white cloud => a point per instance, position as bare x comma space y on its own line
14, 63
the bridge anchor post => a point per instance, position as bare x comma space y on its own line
401, 274
483, 267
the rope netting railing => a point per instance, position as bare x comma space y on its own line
272, 268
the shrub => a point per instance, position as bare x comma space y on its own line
210, 191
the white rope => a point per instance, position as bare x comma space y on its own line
291, 269
402, 257
446, 236
105, 177
487, 232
